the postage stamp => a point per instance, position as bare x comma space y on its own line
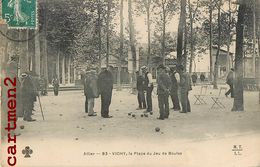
20, 13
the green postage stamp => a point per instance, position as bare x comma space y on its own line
20, 13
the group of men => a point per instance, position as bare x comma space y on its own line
96, 85
173, 82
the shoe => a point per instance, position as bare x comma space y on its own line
139, 108
183, 112
176, 109
92, 115
109, 116
29, 120
160, 118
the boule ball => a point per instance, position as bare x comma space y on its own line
129, 114
142, 115
146, 115
157, 129
22, 127
133, 115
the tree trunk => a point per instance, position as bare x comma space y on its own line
210, 42
58, 64
180, 32
107, 31
121, 45
254, 42
215, 85
185, 54
229, 36
132, 45
99, 35
37, 63
149, 33
191, 37
63, 73
163, 33
238, 104
45, 54
24, 66
69, 68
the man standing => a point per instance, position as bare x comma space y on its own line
27, 95
55, 84
185, 87
230, 82
91, 91
175, 79
140, 89
163, 91
105, 87
149, 88
85, 90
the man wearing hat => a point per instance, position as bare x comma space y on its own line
27, 96
91, 91
105, 88
175, 79
185, 87
230, 82
148, 86
163, 91
140, 89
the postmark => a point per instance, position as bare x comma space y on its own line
20, 14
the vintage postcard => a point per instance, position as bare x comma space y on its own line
135, 83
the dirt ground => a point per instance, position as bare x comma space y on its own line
204, 137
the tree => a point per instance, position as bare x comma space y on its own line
121, 44
180, 58
193, 8
215, 74
238, 104
132, 39
147, 5
165, 9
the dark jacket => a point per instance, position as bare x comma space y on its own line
230, 79
27, 89
90, 86
185, 82
174, 85
164, 84
140, 83
105, 81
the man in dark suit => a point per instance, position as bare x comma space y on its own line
105, 88
185, 87
230, 82
163, 91
27, 95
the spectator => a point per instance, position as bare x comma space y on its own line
175, 79
230, 82
105, 87
140, 88
194, 78
185, 87
163, 91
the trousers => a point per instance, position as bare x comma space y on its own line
163, 102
